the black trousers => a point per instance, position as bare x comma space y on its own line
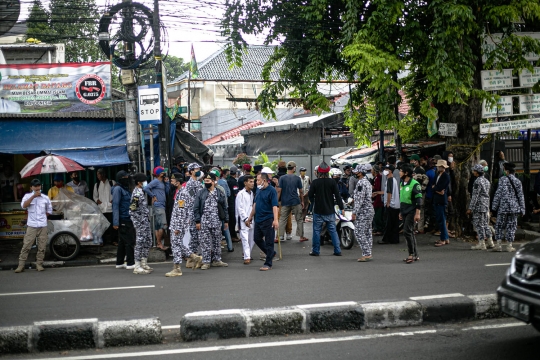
232, 219
265, 230
391, 230
408, 231
126, 243
110, 234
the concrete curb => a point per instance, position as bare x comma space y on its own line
64, 335
305, 319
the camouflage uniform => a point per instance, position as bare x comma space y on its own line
139, 216
180, 222
210, 234
508, 203
192, 188
480, 206
364, 216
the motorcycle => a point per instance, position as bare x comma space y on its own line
344, 228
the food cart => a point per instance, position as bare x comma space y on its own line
76, 221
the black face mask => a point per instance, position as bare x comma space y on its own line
208, 185
124, 182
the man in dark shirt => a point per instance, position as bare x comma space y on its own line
265, 212
121, 199
324, 193
440, 200
292, 200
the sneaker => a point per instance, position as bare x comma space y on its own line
128, 267
247, 262
219, 264
123, 266
289, 236
205, 266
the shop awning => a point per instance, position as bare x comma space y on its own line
89, 142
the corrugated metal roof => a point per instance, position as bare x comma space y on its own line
232, 133
104, 114
232, 141
297, 123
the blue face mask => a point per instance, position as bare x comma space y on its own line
198, 173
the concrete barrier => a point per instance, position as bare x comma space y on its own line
392, 314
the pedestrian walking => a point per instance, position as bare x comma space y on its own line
265, 214
440, 201
179, 226
138, 211
244, 205
363, 212
209, 209
410, 205
292, 200
324, 193
479, 207
121, 221
306, 182
391, 207
38, 206
508, 202
158, 189
193, 186
378, 205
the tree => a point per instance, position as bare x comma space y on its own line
175, 67
38, 23
440, 43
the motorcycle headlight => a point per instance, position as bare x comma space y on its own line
513, 266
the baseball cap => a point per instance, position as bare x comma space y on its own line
414, 157
158, 170
367, 167
267, 170
291, 164
58, 177
35, 182
211, 176
302, 169
233, 170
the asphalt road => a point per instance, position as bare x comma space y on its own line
495, 339
297, 279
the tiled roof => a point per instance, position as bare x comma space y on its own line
216, 66
232, 133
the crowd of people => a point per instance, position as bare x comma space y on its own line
199, 205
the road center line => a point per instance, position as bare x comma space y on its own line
505, 264
442, 296
78, 290
245, 346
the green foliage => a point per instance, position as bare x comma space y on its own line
411, 129
263, 160
241, 159
38, 23
175, 67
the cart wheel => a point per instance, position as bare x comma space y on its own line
65, 246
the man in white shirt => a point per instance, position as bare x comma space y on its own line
80, 187
244, 205
103, 197
38, 206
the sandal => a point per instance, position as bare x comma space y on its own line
409, 260
442, 243
365, 259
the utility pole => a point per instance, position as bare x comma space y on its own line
164, 128
132, 117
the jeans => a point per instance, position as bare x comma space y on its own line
440, 213
265, 230
330, 221
126, 243
227, 235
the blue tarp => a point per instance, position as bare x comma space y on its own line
89, 142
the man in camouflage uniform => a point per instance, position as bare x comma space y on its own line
509, 203
192, 188
363, 212
179, 225
207, 218
138, 211
479, 207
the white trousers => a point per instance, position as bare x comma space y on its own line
246, 235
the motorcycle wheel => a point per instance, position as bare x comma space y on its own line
346, 238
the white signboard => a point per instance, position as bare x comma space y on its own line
529, 104
527, 79
447, 129
150, 104
505, 108
497, 80
491, 41
514, 125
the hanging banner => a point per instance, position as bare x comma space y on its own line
514, 125
44, 88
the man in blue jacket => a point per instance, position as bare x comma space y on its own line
121, 198
440, 200
158, 189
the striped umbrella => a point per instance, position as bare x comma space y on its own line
50, 164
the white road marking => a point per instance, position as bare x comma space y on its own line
245, 346
78, 290
442, 296
498, 326
168, 327
505, 264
